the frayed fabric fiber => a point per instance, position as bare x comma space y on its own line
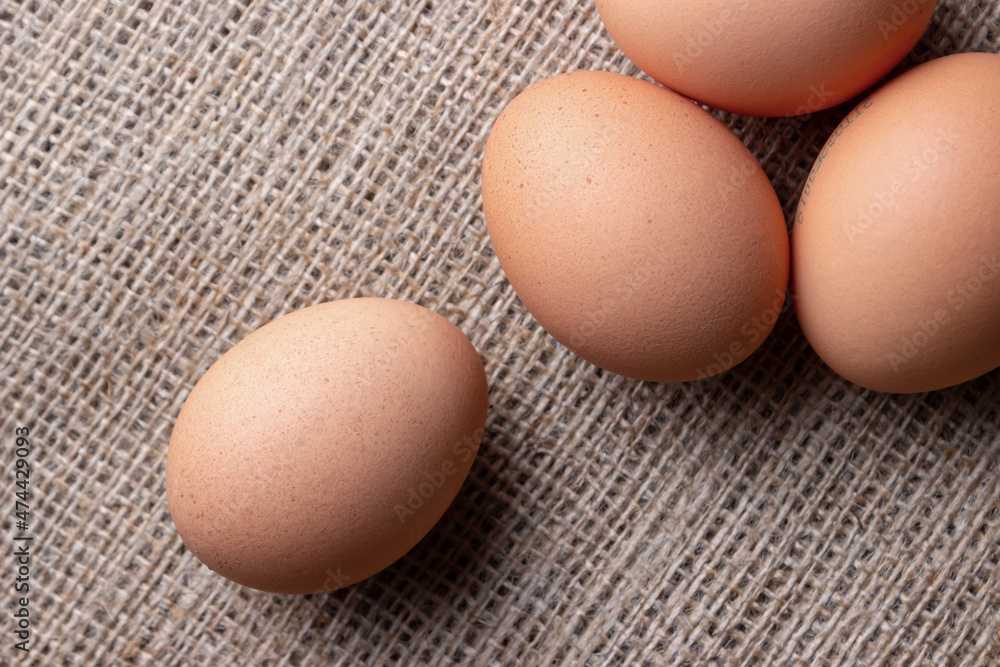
174, 174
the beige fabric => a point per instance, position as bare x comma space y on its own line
176, 173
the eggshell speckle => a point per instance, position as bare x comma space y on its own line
326, 444
636, 228
896, 250
775, 58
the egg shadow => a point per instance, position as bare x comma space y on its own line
794, 378
459, 554
784, 364
980, 396
787, 148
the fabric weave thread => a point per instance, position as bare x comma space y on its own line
176, 173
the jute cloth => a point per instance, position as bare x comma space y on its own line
176, 173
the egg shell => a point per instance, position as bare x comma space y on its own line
896, 248
634, 226
776, 58
324, 445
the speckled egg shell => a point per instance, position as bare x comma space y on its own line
775, 58
637, 229
896, 249
326, 444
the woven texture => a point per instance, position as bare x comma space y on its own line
176, 173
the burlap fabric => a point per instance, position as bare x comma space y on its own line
176, 173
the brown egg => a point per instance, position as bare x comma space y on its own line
896, 250
636, 228
326, 444
775, 58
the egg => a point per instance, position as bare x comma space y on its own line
896, 246
323, 446
777, 58
634, 226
